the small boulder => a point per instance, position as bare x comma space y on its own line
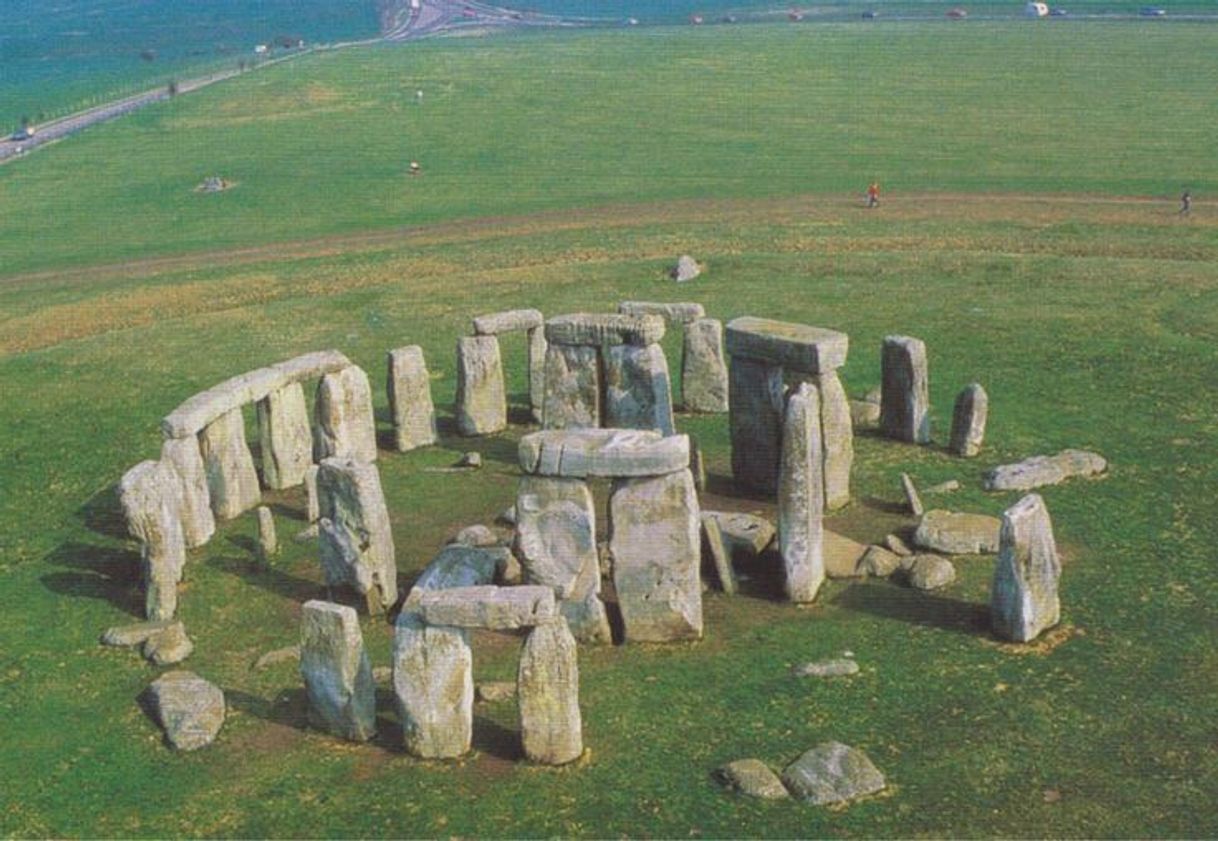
837, 667
169, 646
958, 534
878, 562
476, 535
470, 459
930, 572
944, 487
832, 773
842, 555
864, 414
189, 709
123, 636
751, 777
897, 546
491, 691
747, 534
686, 269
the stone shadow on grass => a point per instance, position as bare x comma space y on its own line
97, 572
915, 607
252, 571
493, 739
103, 514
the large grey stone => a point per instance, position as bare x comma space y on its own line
344, 425
638, 394
462, 566
579, 453
801, 497
169, 646
508, 321
751, 777
285, 437
685, 270
232, 480
905, 393
796, 347
957, 534
1023, 599
676, 313
599, 329
434, 686
757, 402
537, 372
337, 672
968, 421
481, 396
551, 729
842, 555
704, 378
489, 607
188, 708
929, 572
744, 534
572, 388
409, 386
1038, 471
151, 497
356, 541
654, 540
837, 439
198, 521
878, 562
832, 773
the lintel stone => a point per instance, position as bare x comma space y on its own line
602, 452
799, 347
599, 329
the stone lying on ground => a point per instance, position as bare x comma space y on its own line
715, 548
123, 636
832, 773
462, 566
1037, 471
912, 501
507, 322
168, 647
838, 667
481, 406
198, 521
356, 541
189, 709
638, 392
232, 479
929, 572
677, 313
878, 562
905, 393
604, 329
956, 533
944, 487
798, 347
491, 691
476, 535
344, 425
285, 437
490, 607
968, 421
434, 687
308, 534
279, 655
578, 453
842, 555
151, 497
746, 534
410, 404
897, 546
686, 269
801, 500
751, 777
864, 414
704, 376
1024, 599
551, 728
470, 459
336, 671
572, 388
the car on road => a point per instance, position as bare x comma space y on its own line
23, 133
1152, 12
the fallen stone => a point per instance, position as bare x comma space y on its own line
838, 667
757, 397
344, 425
968, 421
578, 453
490, 607
685, 270
280, 655
125, 636
461, 566
912, 501
796, 347
434, 687
470, 459
572, 397
168, 647
878, 562
864, 414
1023, 599
490, 692
356, 540
715, 548
232, 480
836, 439
957, 534
481, 407
842, 555
897, 546
551, 728
508, 321
189, 709
801, 497
905, 394
944, 487
336, 671
1038, 471
751, 777
832, 773
284, 436
747, 535
150, 494
638, 394
604, 329
198, 521
410, 403
704, 377
268, 543
930, 572
476, 535
678, 313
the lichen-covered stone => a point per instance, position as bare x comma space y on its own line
929, 572
905, 394
744, 534
169, 646
715, 548
638, 394
151, 496
832, 773
600, 329
136, 633
198, 521
1023, 599
481, 396
842, 555
801, 497
508, 321
968, 421
285, 437
551, 728
188, 708
1038, 471
462, 566
336, 671
232, 480
795, 347
434, 687
757, 401
751, 777
489, 607
356, 540
579, 453
344, 425
957, 533
573, 390
410, 404
912, 501
837, 439
704, 377
878, 562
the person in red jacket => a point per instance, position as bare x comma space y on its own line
873, 194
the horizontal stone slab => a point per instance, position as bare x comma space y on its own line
597, 329
200, 410
799, 347
489, 607
507, 322
1039, 471
678, 313
578, 453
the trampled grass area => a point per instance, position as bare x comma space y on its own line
1091, 320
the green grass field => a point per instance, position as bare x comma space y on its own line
1020, 237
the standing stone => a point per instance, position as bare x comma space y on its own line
232, 480
313, 510
198, 521
336, 670
481, 398
355, 535
837, 439
654, 540
801, 497
704, 367
716, 548
151, 497
537, 372
414, 415
968, 421
556, 544
638, 394
189, 709
434, 686
573, 396
285, 437
905, 393
1023, 599
344, 425
756, 423
268, 543
548, 692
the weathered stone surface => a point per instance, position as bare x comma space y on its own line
336, 671
578, 453
704, 378
675, 313
461, 566
751, 777
930, 572
654, 539
878, 562
968, 421
832, 773
864, 414
897, 546
508, 321
957, 534
638, 394
715, 548
313, 506
279, 655
1024, 600
198, 521
697, 464
268, 542
492, 691
284, 436
905, 394
232, 480
745, 534
795, 347
685, 270
551, 729
489, 607
481, 396
168, 647
470, 459
838, 667
757, 397
572, 388
434, 686
189, 709
944, 487
343, 422
122, 636
912, 501
598, 329
476, 535
151, 496
1038, 471
537, 372
356, 541
801, 497
842, 555
836, 438
410, 404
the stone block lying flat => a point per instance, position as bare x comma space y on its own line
799, 347
599, 329
462, 566
493, 608
955, 533
507, 322
1037, 471
678, 313
602, 452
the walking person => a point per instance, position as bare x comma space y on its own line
1186, 203
873, 194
